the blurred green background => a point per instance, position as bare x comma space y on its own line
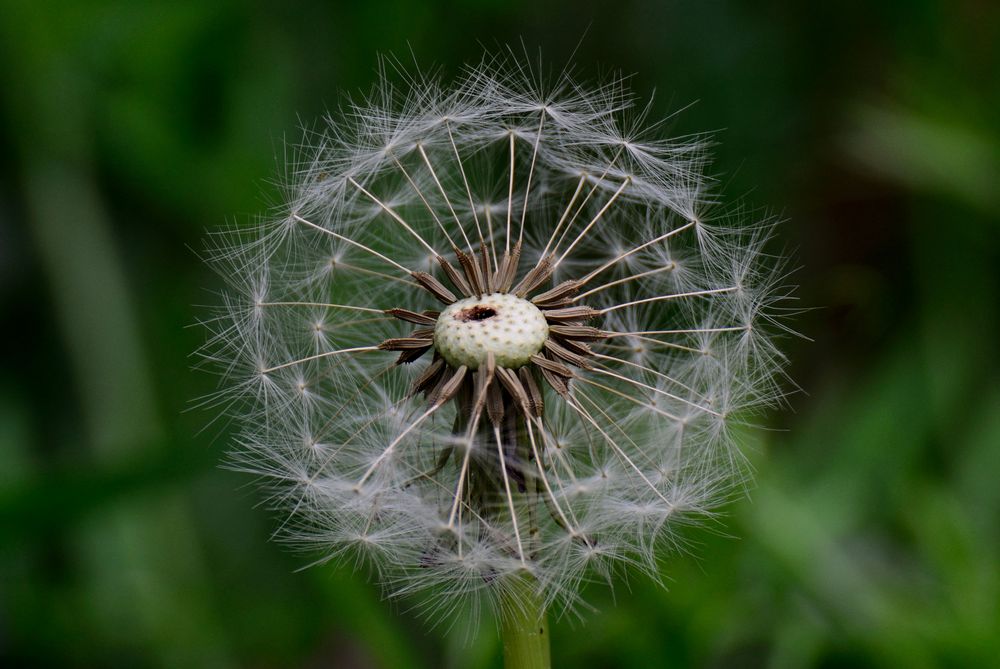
128, 129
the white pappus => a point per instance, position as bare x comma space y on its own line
494, 336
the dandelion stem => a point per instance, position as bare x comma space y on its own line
524, 628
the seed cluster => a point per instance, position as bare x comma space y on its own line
496, 334
506, 326
504, 338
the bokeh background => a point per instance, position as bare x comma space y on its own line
129, 129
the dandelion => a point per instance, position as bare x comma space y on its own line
492, 346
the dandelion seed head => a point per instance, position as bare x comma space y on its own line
495, 333
507, 327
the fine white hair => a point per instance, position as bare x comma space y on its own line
639, 441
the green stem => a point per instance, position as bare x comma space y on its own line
524, 628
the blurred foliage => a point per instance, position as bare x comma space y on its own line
128, 129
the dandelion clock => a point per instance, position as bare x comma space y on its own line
493, 344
